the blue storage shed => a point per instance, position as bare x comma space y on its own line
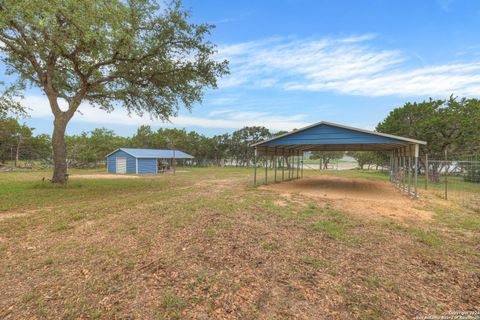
142, 161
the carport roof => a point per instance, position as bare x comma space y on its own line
155, 153
327, 136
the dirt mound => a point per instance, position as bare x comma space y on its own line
367, 198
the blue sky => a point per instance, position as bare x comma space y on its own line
296, 62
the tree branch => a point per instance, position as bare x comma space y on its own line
29, 54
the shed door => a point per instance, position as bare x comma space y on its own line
121, 165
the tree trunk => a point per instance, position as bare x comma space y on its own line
59, 151
18, 151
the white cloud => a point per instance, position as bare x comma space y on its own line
220, 112
221, 101
445, 5
346, 66
223, 119
359, 38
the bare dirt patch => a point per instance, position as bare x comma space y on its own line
7, 215
367, 198
14, 214
102, 176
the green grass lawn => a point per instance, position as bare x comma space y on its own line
316, 161
454, 183
207, 244
23, 190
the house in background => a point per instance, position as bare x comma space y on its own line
143, 161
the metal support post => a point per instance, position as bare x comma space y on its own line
302, 164
255, 168
404, 166
298, 164
275, 165
395, 167
409, 171
416, 169
391, 167
266, 170
446, 175
288, 166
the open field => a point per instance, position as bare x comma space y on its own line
206, 244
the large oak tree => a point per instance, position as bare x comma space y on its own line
447, 125
110, 53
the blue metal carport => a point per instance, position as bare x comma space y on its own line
327, 136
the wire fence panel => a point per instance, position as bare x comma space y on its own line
456, 180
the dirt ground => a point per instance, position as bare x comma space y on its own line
103, 176
370, 199
109, 176
208, 245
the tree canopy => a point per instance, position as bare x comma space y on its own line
326, 157
445, 124
134, 54
17, 142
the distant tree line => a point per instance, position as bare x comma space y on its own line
365, 159
88, 149
17, 142
450, 125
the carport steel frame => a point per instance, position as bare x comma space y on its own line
404, 153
